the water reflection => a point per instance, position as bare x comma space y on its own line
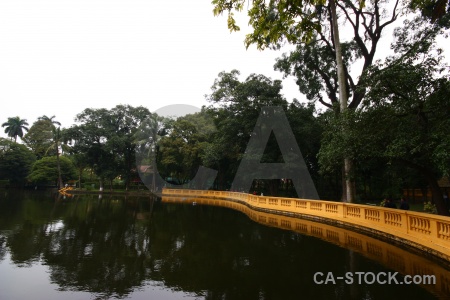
405, 261
139, 247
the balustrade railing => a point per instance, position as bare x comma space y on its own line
420, 229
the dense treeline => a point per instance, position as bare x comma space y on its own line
334, 71
395, 132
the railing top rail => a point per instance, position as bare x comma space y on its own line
365, 206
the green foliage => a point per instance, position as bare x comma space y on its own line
431, 9
407, 105
235, 108
89, 186
15, 161
39, 137
400, 132
181, 152
15, 127
218, 135
106, 140
314, 66
45, 170
274, 21
321, 63
429, 207
50, 120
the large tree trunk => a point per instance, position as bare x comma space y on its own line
348, 193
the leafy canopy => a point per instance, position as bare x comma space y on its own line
274, 21
46, 170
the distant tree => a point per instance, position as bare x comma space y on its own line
182, 150
235, 108
147, 137
107, 137
39, 137
15, 127
15, 162
80, 161
50, 119
56, 146
89, 138
45, 170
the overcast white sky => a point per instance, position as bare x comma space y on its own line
58, 57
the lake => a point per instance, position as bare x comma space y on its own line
117, 247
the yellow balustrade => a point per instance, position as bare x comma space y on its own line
430, 233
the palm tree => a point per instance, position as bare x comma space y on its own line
15, 127
57, 143
51, 119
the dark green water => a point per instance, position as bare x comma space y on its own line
135, 248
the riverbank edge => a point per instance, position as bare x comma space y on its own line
124, 193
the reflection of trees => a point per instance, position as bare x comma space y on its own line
2, 247
221, 254
111, 247
233, 264
89, 245
26, 243
25, 222
99, 249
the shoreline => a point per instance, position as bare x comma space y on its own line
125, 193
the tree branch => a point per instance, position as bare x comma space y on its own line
379, 27
355, 26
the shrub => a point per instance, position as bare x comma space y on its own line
429, 207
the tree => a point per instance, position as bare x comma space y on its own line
80, 161
307, 128
57, 145
303, 22
107, 139
15, 162
433, 10
124, 121
409, 92
88, 138
146, 138
181, 151
407, 127
15, 127
235, 109
39, 137
45, 170
403, 120
50, 119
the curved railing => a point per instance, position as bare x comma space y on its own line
430, 233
